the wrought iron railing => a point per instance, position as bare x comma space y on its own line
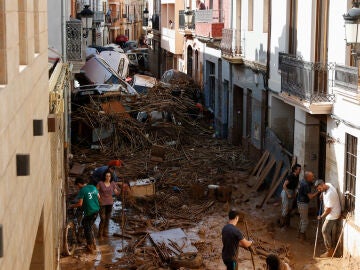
182, 21
346, 77
74, 45
99, 16
209, 16
310, 81
231, 43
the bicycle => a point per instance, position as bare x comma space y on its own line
74, 232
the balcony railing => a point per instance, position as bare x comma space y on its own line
99, 16
310, 81
231, 44
346, 78
182, 21
209, 16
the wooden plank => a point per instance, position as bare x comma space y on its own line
265, 172
264, 156
274, 187
254, 178
276, 173
273, 181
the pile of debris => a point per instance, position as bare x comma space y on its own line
191, 170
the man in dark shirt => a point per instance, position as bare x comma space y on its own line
288, 194
232, 238
303, 199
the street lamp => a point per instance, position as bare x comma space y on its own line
86, 16
145, 17
188, 17
352, 28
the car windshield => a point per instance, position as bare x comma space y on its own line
141, 89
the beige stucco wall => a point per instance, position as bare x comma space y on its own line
24, 97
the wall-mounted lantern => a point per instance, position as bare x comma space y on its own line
87, 16
188, 17
145, 17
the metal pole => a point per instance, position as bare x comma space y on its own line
317, 229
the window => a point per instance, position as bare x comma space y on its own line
266, 16
293, 27
23, 38
212, 85
3, 73
36, 27
251, 15
322, 24
350, 172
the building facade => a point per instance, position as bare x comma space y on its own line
27, 214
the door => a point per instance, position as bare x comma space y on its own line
238, 113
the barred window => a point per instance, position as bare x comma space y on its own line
3, 73
350, 171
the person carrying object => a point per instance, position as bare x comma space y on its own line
331, 213
232, 238
304, 196
288, 194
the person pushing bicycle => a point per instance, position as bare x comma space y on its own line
89, 201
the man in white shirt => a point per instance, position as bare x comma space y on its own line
331, 213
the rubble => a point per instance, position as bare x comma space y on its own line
183, 159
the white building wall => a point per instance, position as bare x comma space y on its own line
343, 121
57, 11
279, 40
337, 45
306, 29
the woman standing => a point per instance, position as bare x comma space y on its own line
106, 189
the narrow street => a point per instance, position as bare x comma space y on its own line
183, 200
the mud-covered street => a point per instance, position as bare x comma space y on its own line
175, 222
188, 168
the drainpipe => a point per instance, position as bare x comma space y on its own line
63, 31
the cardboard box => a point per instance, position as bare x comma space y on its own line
142, 187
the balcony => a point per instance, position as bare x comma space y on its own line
306, 84
99, 17
346, 81
231, 46
183, 27
209, 24
171, 40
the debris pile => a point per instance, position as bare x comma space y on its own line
193, 171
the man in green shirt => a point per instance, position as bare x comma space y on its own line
89, 201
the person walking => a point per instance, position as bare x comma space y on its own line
331, 213
232, 238
88, 199
303, 199
288, 194
98, 173
106, 189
